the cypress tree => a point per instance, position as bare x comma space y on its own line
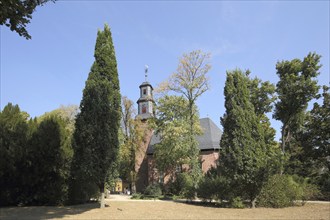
243, 158
95, 140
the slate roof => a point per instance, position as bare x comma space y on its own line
209, 140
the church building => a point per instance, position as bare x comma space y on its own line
145, 165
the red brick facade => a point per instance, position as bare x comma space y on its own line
147, 172
145, 164
141, 163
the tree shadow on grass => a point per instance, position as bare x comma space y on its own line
45, 212
213, 204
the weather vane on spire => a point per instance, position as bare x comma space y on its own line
146, 72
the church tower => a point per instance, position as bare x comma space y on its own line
146, 101
145, 111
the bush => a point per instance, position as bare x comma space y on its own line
153, 190
283, 190
207, 189
212, 187
277, 192
188, 190
305, 189
323, 182
183, 186
237, 203
136, 196
177, 186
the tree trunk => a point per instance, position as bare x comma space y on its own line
283, 139
283, 149
253, 203
133, 188
102, 200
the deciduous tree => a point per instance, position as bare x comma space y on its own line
296, 87
173, 127
16, 14
133, 136
191, 81
314, 140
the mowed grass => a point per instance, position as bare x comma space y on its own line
163, 210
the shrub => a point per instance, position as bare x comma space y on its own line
176, 186
283, 190
207, 189
183, 186
324, 184
136, 196
212, 187
277, 192
237, 203
188, 190
153, 190
305, 190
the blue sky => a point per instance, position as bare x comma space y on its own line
51, 69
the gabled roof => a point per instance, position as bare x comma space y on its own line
209, 140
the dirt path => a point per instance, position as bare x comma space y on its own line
117, 197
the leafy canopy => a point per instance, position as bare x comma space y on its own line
16, 14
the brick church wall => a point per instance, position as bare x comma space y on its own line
141, 163
208, 158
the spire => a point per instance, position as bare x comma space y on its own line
146, 72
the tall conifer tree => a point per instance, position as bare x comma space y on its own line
243, 156
96, 136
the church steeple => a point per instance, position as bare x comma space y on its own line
146, 101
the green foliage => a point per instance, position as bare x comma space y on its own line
66, 113
261, 95
153, 190
191, 81
213, 187
283, 191
278, 192
183, 185
173, 127
132, 135
136, 196
177, 185
245, 155
51, 154
296, 87
207, 189
262, 98
16, 14
323, 181
36, 159
315, 146
237, 203
13, 146
95, 140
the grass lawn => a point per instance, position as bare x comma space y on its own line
162, 210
